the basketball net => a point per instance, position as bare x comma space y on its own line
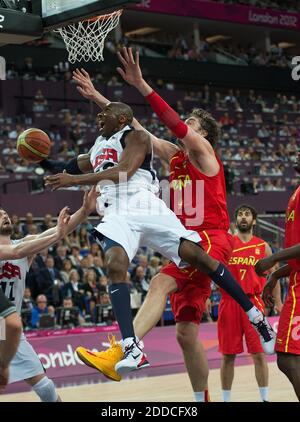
85, 40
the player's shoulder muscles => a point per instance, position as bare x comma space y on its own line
139, 140
84, 163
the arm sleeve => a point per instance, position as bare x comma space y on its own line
167, 115
55, 166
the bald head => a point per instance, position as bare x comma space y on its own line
121, 109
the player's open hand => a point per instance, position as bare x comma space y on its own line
60, 180
90, 200
263, 265
62, 222
3, 378
131, 71
84, 84
267, 294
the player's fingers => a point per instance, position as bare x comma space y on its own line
131, 55
121, 72
86, 74
121, 58
137, 58
125, 54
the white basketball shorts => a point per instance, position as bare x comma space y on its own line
25, 364
145, 220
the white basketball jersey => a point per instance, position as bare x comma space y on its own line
12, 279
106, 153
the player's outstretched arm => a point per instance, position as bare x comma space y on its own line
88, 206
131, 73
25, 249
265, 264
138, 145
164, 149
77, 165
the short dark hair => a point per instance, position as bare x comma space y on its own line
245, 207
124, 109
209, 124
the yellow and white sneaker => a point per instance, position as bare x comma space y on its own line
104, 361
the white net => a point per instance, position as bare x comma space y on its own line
85, 40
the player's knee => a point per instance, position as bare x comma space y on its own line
284, 364
116, 269
259, 358
45, 389
229, 359
162, 284
185, 339
14, 325
197, 257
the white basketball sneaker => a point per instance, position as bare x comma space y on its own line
134, 358
266, 333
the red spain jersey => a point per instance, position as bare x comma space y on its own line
292, 226
241, 264
199, 201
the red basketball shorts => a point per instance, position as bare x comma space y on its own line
188, 302
233, 325
288, 333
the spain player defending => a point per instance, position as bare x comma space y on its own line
288, 340
233, 325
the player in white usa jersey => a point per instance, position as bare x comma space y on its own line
15, 259
136, 218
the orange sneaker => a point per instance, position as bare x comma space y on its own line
104, 361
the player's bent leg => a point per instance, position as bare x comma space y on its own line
154, 304
194, 356
227, 375
193, 254
289, 364
44, 388
261, 374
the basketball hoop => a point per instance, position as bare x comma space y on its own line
85, 40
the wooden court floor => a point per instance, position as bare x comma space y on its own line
171, 388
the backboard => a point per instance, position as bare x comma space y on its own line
56, 13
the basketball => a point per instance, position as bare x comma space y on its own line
33, 145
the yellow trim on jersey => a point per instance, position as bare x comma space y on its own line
292, 314
258, 301
249, 247
208, 240
173, 158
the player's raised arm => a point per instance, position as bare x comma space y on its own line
138, 145
132, 74
164, 149
88, 206
25, 249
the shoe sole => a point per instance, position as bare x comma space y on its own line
126, 369
87, 363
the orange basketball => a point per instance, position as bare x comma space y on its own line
33, 145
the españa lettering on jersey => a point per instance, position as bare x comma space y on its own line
199, 201
243, 259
